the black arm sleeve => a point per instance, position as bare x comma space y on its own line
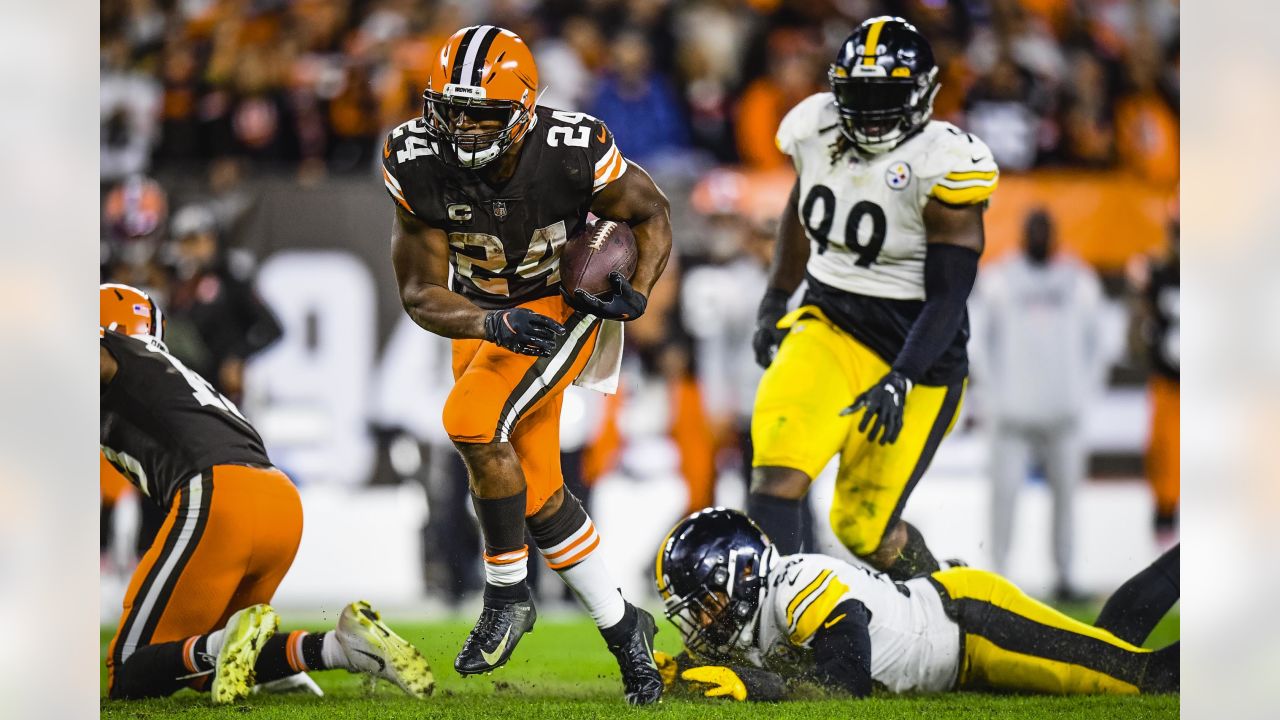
842, 650
949, 273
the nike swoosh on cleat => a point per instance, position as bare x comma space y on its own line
382, 664
492, 658
977, 159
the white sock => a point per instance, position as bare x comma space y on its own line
332, 654
508, 568
583, 570
213, 642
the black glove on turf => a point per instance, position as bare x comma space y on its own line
883, 404
624, 303
523, 331
768, 336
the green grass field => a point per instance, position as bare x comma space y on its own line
563, 671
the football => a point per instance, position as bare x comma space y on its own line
602, 247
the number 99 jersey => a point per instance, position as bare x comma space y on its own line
505, 242
864, 215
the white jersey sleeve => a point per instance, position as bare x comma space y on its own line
914, 645
958, 168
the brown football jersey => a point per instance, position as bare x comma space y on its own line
505, 242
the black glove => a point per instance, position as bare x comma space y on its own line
768, 336
624, 303
883, 404
523, 331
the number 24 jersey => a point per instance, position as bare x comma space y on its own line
505, 242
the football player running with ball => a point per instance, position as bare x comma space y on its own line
760, 625
487, 187
885, 224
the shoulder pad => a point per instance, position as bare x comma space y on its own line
958, 168
404, 145
805, 120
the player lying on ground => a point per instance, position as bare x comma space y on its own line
757, 625
487, 188
195, 607
885, 226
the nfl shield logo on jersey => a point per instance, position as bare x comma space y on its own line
898, 175
500, 209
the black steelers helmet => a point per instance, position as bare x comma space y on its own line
884, 80
709, 572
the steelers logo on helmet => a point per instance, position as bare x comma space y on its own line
480, 96
898, 176
884, 81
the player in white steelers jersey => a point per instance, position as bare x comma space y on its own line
885, 226
759, 625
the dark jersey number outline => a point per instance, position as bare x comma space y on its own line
819, 231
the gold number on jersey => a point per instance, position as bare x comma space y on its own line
542, 258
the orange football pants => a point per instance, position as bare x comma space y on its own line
501, 396
226, 544
1164, 450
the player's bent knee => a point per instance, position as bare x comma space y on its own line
465, 419
780, 482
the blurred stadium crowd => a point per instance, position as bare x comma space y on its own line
314, 84
216, 114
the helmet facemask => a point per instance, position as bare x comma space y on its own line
713, 617
445, 112
877, 112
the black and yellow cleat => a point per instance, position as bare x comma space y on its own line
495, 636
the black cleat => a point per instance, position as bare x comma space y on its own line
494, 637
641, 683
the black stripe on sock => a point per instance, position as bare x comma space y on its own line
950, 403
166, 591
477, 70
1019, 634
458, 59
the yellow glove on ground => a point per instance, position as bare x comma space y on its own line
667, 667
721, 681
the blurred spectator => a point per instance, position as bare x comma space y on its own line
792, 77
1040, 362
1146, 123
1155, 337
135, 214
1001, 113
639, 104
216, 319
129, 105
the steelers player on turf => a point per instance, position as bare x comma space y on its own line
195, 611
487, 187
760, 625
885, 225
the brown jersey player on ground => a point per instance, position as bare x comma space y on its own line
487, 189
196, 604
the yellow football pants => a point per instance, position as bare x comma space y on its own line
1012, 642
796, 423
